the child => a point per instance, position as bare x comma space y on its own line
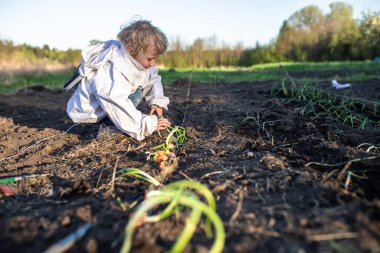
115, 75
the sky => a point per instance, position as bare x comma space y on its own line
65, 24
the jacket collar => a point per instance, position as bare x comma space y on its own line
113, 51
135, 73
130, 57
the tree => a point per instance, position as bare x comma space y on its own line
196, 51
369, 42
306, 18
343, 32
300, 33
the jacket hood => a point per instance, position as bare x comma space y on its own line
95, 56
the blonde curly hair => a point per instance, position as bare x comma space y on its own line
137, 36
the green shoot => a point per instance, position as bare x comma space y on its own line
138, 174
176, 137
121, 204
203, 191
175, 196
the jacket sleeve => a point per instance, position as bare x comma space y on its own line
153, 92
112, 91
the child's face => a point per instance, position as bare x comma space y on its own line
148, 58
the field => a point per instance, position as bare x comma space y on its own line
292, 162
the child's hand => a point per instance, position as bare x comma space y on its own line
157, 110
163, 124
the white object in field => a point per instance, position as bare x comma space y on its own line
340, 86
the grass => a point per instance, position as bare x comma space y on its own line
14, 82
351, 71
212, 76
321, 66
348, 71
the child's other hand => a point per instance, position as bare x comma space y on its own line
162, 124
157, 110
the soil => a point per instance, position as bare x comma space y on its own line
256, 153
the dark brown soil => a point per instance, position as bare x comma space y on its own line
251, 150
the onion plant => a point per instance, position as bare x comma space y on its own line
176, 136
321, 105
176, 197
163, 153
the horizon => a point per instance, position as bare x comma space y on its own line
72, 25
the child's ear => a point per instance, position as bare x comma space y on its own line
129, 49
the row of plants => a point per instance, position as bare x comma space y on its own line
180, 197
312, 101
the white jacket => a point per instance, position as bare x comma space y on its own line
111, 75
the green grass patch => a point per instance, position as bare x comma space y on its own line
211, 76
372, 66
348, 71
14, 82
304, 72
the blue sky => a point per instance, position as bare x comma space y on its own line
67, 24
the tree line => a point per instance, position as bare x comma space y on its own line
307, 35
8, 50
25, 58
